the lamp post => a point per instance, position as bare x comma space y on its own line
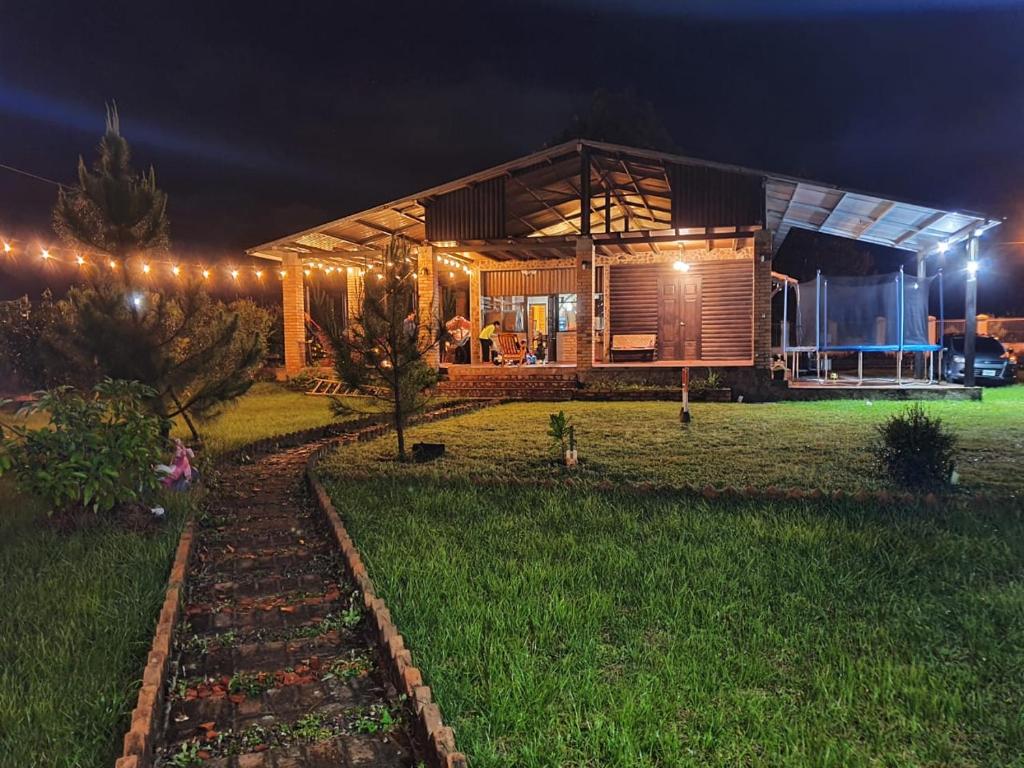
971, 310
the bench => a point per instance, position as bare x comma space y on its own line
512, 351
634, 346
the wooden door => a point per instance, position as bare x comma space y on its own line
679, 300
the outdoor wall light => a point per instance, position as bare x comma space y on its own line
943, 246
681, 266
972, 268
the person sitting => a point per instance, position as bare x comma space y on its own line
530, 359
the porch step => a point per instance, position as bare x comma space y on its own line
510, 383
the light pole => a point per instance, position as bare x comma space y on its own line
971, 310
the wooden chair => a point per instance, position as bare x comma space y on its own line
634, 346
509, 347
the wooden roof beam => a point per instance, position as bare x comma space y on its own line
543, 202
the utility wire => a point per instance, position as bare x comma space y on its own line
35, 176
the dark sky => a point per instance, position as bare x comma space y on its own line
264, 118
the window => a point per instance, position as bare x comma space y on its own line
567, 312
510, 311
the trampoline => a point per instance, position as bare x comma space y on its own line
881, 313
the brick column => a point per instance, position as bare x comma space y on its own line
475, 313
584, 306
428, 292
763, 299
353, 294
293, 293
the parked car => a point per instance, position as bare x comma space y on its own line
992, 363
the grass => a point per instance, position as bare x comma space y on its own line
822, 444
574, 628
76, 622
265, 410
78, 610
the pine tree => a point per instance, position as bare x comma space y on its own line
113, 210
193, 351
382, 353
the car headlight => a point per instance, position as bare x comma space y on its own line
958, 358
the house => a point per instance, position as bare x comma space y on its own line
616, 257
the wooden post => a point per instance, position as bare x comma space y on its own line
584, 305
293, 294
584, 190
428, 294
970, 310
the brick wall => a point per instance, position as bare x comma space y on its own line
293, 294
584, 306
763, 299
428, 300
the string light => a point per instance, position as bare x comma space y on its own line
306, 272
112, 264
175, 270
259, 274
7, 247
145, 269
234, 274
45, 254
283, 273
206, 274
80, 260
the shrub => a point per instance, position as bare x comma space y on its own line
916, 450
96, 453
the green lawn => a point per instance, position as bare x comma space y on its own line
78, 610
76, 621
823, 444
574, 628
265, 410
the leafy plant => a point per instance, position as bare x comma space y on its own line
376, 718
96, 453
560, 427
187, 755
915, 449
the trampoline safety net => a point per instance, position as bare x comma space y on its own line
876, 313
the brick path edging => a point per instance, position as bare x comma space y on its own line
438, 738
138, 741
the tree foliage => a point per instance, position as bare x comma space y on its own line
24, 325
193, 352
96, 453
113, 209
382, 353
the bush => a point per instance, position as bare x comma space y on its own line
96, 453
916, 450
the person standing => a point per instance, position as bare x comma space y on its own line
486, 340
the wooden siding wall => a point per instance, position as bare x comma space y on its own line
543, 282
727, 304
709, 197
473, 213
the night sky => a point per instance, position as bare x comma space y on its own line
264, 118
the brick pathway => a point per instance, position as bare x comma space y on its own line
275, 666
